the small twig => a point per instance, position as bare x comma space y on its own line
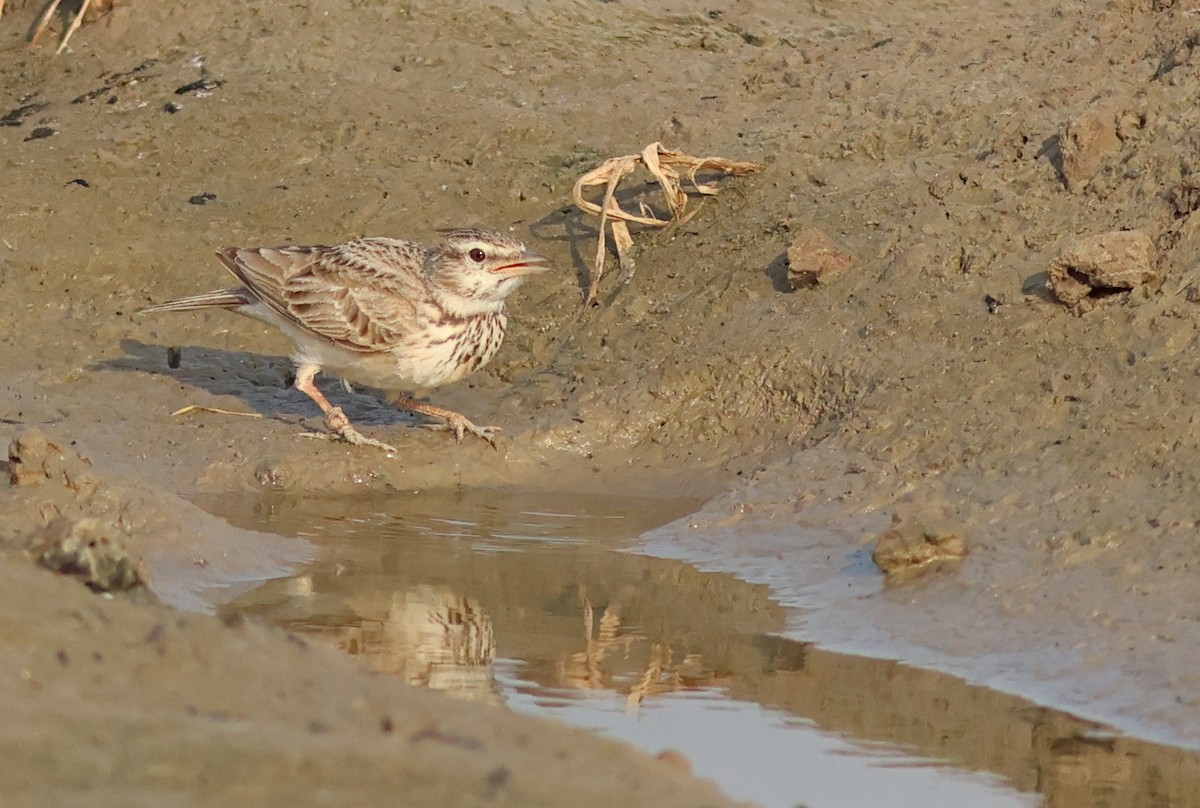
217, 410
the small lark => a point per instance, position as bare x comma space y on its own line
386, 313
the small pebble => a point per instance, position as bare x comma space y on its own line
199, 88
814, 258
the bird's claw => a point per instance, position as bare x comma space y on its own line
460, 426
340, 428
354, 437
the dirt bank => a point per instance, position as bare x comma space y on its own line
953, 152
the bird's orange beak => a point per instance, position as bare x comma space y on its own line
527, 264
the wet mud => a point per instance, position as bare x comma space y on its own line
952, 156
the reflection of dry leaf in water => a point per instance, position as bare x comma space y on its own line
668, 168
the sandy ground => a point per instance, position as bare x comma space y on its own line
954, 150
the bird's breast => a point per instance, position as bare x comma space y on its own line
451, 349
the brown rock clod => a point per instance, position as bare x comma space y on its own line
34, 457
1087, 142
1095, 267
916, 542
90, 550
814, 258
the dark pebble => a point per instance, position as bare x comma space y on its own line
199, 86
40, 132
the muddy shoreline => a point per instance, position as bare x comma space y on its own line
926, 141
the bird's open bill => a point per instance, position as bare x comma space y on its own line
530, 263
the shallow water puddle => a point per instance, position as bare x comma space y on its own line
525, 600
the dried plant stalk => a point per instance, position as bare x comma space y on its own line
669, 168
217, 410
47, 14
44, 21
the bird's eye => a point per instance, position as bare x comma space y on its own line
477, 255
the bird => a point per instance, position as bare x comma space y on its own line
387, 313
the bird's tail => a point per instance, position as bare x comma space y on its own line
220, 299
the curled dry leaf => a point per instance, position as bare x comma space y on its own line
669, 168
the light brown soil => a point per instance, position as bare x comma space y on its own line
953, 150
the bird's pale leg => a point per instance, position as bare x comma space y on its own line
335, 420
452, 421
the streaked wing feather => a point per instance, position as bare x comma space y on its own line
358, 295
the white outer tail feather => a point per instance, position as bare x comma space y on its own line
219, 299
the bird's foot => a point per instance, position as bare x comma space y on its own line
339, 427
448, 420
460, 426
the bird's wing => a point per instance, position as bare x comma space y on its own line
361, 295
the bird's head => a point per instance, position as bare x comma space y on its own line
481, 267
